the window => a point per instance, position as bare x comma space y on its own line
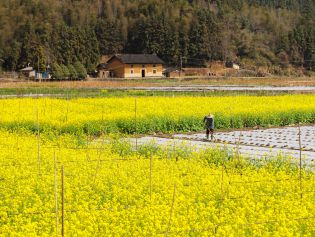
143, 66
131, 65
154, 65
154, 71
131, 71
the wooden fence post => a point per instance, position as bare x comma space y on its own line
62, 203
151, 161
171, 212
300, 149
136, 124
38, 145
56, 188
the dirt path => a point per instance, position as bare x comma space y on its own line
196, 88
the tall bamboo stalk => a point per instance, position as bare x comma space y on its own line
62, 203
151, 163
56, 188
136, 124
38, 144
171, 212
300, 148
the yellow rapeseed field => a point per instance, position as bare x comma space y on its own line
113, 189
151, 114
112, 194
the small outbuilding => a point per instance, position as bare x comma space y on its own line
28, 72
197, 72
102, 71
236, 66
173, 72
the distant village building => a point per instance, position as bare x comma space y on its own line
232, 65
42, 76
102, 71
173, 72
135, 66
198, 72
28, 72
235, 66
31, 73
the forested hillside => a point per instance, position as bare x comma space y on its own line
274, 34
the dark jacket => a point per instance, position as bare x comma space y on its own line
209, 122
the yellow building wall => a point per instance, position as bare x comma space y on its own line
117, 67
125, 70
137, 70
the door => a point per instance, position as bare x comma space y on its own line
143, 72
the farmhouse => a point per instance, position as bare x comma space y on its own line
102, 71
28, 72
135, 66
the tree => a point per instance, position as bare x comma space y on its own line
57, 72
36, 33
109, 36
11, 55
199, 41
80, 69
73, 73
65, 71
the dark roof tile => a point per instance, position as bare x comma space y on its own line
138, 58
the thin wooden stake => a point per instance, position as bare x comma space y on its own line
56, 188
102, 127
171, 212
62, 203
67, 111
300, 147
38, 145
151, 163
136, 124
97, 168
222, 197
222, 179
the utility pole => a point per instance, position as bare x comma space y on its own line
39, 76
181, 66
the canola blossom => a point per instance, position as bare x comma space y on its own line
112, 190
153, 114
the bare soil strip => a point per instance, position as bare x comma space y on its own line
214, 81
251, 143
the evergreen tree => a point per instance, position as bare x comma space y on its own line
109, 36
183, 44
11, 56
197, 44
57, 72
73, 72
80, 69
37, 33
65, 71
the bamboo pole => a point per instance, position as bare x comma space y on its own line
102, 127
222, 179
56, 188
136, 124
38, 144
171, 212
62, 203
151, 163
300, 161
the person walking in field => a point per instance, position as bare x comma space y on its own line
209, 125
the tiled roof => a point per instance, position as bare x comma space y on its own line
102, 66
27, 69
138, 58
